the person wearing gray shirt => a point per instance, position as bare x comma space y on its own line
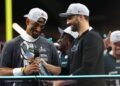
14, 61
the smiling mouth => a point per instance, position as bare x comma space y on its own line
35, 32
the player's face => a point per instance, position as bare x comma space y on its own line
116, 48
74, 22
34, 28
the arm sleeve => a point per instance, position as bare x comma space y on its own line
92, 50
55, 58
6, 56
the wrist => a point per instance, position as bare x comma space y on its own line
23, 70
17, 72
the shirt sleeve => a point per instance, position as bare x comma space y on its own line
55, 58
6, 56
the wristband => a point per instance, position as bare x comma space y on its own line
22, 69
17, 72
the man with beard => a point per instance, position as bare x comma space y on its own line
14, 61
85, 56
112, 58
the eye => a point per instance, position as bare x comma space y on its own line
41, 20
42, 26
70, 17
36, 25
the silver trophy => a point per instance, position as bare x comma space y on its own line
30, 53
27, 50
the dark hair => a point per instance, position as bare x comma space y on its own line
86, 17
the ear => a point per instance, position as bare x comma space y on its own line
27, 21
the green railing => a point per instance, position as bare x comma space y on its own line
59, 77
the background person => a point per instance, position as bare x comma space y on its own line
64, 45
112, 58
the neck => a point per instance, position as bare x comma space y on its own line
27, 37
27, 32
84, 27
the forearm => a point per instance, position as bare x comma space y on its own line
6, 71
53, 69
63, 82
11, 71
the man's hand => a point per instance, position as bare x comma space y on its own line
32, 68
6, 71
51, 68
63, 82
58, 83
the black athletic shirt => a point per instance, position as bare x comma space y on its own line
11, 53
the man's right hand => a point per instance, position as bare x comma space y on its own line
32, 68
51, 68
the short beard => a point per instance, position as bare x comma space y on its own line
34, 35
75, 27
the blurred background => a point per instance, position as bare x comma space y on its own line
104, 15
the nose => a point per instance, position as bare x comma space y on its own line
69, 22
38, 29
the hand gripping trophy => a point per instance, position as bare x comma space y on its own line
29, 53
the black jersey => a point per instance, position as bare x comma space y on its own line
85, 58
112, 66
11, 54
